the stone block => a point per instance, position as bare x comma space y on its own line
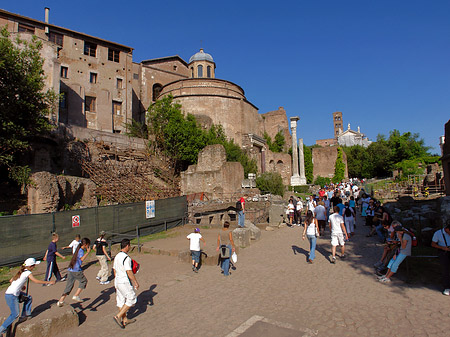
255, 232
276, 212
241, 237
60, 319
206, 258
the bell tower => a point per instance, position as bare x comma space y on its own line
337, 123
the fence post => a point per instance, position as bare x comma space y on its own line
53, 222
137, 234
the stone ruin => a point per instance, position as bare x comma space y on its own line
212, 174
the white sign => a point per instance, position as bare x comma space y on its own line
76, 221
149, 209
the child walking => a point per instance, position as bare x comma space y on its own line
50, 257
194, 246
74, 244
75, 272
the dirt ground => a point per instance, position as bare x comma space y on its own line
272, 292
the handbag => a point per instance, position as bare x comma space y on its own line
24, 296
234, 257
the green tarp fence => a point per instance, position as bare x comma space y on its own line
24, 236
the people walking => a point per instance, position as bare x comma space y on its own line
101, 255
14, 293
76, 273
320, 214
225, 246
50, 257
349, 219
338, 233
194, 246
123, 282
311, 231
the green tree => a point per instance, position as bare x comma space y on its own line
270, 182
309, 167
278, 144
24, 105
322, 181
339, 167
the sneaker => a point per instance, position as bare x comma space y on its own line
98, 278
446, 292
343, 256
195, 270
60, 304
385, 280
333, 259
310, 261
77, 299
105, 282
63, 279
379, 277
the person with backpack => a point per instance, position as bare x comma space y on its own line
441, 241
349, 219
240, 207
225, 246
123, 282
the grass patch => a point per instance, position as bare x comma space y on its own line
156, 236
5, 275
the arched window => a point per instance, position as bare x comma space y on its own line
192, 72
208, 72
200, 71
156, 91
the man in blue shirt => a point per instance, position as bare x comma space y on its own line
441, 241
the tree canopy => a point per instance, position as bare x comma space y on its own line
278, 144
399, 151
24, 105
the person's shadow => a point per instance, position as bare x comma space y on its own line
298, 250
144, 300
42, 307
104, 297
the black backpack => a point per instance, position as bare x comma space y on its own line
348, 212
238, 205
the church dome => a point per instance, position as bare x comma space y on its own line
201, 56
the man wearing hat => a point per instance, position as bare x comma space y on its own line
194, 246
102, 255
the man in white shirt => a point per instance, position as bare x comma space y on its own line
441, 241
320, 213
338, 232
124, 277
194, 246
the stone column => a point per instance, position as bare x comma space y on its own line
302, 162
295, 179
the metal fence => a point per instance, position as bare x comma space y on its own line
29, 235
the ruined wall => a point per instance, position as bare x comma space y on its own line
275, 121
281, 163
213, 174
324, 159
326, 142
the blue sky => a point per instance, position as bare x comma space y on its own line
384, 64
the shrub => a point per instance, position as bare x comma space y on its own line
270, 182
322, 181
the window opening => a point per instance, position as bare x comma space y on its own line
89, 104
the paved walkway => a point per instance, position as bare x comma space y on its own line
273, 292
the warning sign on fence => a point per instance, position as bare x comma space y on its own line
76, 221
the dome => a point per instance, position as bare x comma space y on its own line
201, 56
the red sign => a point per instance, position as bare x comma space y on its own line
76, 221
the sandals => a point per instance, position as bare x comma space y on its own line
129, 321
119, 323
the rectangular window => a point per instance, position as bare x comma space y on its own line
25, 29
64, 72
90, 49
113, 55
135, 76
89, 104
119, 83
117, 108
63, 100
56, 38
93, 78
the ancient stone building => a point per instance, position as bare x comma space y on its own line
102, 88
324, 159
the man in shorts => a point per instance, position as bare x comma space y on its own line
338, 233
123, 282
194, 246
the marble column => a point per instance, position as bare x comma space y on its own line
302, 162
295, 179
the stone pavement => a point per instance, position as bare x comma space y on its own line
273, 292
